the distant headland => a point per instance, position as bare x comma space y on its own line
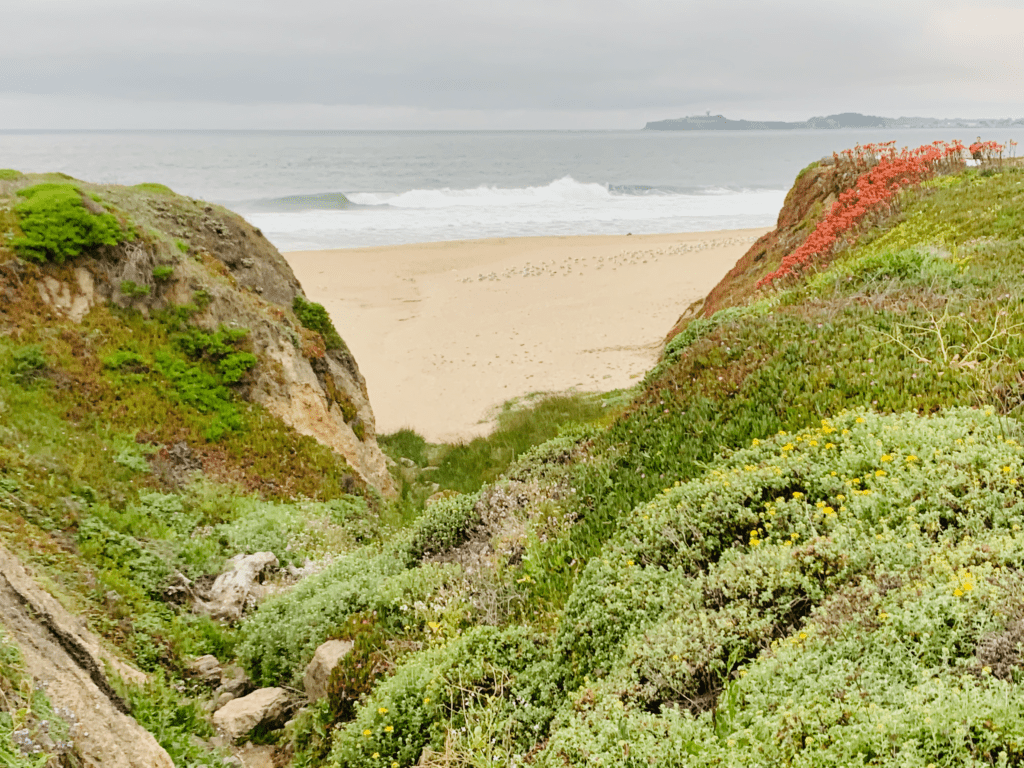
711, 122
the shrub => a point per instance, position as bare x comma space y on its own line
133, 290
163, 273
57, 226
444, 525
28, 364
314, 317
9, 174
279, 640
444, 691
158, 189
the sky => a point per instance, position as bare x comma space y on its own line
494, 64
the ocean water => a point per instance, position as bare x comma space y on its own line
343, 189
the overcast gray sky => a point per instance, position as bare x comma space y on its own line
499, 64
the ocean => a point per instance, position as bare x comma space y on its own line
345, 189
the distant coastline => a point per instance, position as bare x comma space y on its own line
711, 122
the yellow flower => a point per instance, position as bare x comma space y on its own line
860, 420
376, 755
755, 441
886, 457
958, 593
880, 473
1006, 468
426, 700
629, 562
840, 498
388, 728
787, 447
382, 710
367, 733
910, 458
846, 431
986, 670
812, 442
797, 495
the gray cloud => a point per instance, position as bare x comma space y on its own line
757, 59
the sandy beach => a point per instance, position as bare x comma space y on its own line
444, 332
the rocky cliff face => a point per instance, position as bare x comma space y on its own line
69, 663
235, 278
812, 194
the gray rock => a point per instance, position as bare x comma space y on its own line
206, 668
233, 680
268, 707
238, 587
318, 671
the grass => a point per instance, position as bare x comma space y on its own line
519, 426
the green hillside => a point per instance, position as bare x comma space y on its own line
797, 542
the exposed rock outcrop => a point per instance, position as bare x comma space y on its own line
812, 195
238, 587
62, 655
268, 707
318, 671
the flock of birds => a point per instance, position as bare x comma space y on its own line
569, 266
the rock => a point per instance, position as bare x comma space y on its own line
269, 707
205, 668
238, 587
318, 671
233, 680
59, 651
222, 700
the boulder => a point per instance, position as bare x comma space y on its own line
205, 668
268, 707
318, 671
238, 587
233, 680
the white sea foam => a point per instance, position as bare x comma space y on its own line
563, 207
564, 190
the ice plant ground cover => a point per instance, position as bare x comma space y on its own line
881, 173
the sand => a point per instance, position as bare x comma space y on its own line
446, 332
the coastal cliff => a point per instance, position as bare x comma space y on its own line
184, 257
168, 400
796, 541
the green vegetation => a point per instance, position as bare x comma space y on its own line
163, 273
158, 189
314, 317
792, 548
32, 734
9, 174
57, 226
796, 542
177, 722
133, 290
